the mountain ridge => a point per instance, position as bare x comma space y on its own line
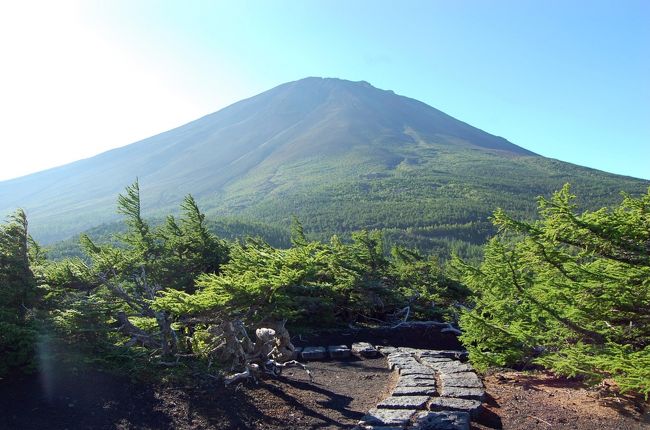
289, 143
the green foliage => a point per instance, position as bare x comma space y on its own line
315, 284
570, 292
17, 294
117, 284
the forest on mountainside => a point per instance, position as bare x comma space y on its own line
570, 292
439, 206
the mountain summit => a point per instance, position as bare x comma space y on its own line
304, 147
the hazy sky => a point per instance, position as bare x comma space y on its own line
566, 79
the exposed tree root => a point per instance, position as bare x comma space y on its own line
271, 352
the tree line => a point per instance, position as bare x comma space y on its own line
569, 292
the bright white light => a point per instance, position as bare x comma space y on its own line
61, 83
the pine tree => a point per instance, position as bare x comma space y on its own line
570, 292
17, 294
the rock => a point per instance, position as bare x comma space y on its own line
414, 391
462, 379
399, 361
472, 407
429, 359
364, 349
463, 392
450, 366
386, 350
448, 353
415, 381
313, 353
416, 372
297, 351
444, 420
407, 350
368, 427
404, 402
338, 351
387, 417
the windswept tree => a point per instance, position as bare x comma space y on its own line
570, 292
127, 278
17, 293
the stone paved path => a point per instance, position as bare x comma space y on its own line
435, 390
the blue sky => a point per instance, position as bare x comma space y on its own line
566, 79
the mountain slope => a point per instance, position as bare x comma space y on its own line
341, 155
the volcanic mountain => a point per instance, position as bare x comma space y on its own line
340, 155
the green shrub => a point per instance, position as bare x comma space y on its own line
570, 292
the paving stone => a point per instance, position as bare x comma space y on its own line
398, 356
462, 379
415, 381
313, 353
400, 361
464, 392
443, 420
450, 366
415, 391
387, 417
364, 349
473, 407
367, 427
338, 351
386, 350
416, 370
448, 353
431, 359
408, 350
404, 402
404, 355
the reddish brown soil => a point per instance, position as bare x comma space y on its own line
542, 401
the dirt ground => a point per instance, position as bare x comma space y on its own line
540, 400
340, 395
70, 398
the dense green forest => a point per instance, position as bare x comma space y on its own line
569, 292
439, 205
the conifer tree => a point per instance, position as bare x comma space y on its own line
17, 294
570, 292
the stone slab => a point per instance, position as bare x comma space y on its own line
368, 427
387, 417
400, 362
364, 349
444, 420
338, 351
416, 370
448, 353
415, 391
462, 379
404, 402
450, 366
415, 381
386, 350
472, 407
427, 359
408, 350
464, 392
313, 353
